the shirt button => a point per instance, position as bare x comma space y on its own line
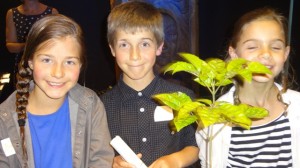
144, 139
142, 109
140, 94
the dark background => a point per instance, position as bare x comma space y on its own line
215, 19
91, 15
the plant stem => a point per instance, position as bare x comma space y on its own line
213, 136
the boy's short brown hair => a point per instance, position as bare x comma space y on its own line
135, 16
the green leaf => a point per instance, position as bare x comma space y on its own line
189, 107
185, 115
205, 101
181, 66
235, 114
235, 65
181, 122
256, 112
256, 67
194, 60
245, 74
212, 74
173, 100
217, 64
208, 116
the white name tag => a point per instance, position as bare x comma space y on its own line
163, 113
7, 147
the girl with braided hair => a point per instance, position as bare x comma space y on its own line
50, 120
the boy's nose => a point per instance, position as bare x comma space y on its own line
135, 54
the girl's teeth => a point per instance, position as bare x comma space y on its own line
55, 84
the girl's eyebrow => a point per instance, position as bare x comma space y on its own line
73, 57
249, 40
47, 55
68, 57
279, 40
259, 40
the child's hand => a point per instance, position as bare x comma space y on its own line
119, 162
165, 162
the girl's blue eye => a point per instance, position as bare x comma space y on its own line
46, 60
70, 62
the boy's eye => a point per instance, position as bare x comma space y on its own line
145, 44
123, 45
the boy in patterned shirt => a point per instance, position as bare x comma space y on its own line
135, 36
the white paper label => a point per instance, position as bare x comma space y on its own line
163, 113
7, 147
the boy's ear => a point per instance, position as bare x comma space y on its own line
159, 49
232, 52
112, 51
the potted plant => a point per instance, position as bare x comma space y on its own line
212, 74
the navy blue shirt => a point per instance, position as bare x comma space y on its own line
130, 115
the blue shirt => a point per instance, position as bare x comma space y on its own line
51, 138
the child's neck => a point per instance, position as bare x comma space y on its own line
41, 105
138, 84
258, 94
265, 96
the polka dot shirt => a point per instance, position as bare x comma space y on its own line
24, 23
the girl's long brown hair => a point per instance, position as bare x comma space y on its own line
42, 32
284, 78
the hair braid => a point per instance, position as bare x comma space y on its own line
23, 84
